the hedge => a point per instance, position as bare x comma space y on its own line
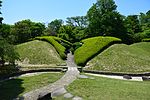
54, 41
91, 47
146, 40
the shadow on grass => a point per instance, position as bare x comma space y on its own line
11, 89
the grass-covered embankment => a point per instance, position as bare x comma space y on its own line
59, 44
13, 88
91, 47
109, 89
38, 52
133, 58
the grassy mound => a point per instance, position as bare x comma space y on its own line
91, 47
109, 89
38, 52
59, 44
123, 58
15, 87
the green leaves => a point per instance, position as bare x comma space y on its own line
104, 19
7, 52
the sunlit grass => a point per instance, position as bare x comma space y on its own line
109, 89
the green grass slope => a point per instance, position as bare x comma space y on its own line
59, 44
91, 47
109, 89
38, 52
133, 58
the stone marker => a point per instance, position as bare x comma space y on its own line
68, 95
127, 77
146, 78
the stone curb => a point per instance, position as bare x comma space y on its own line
31, 71
118, 74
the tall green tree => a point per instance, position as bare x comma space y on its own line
133, 27
53, 26
7, 52
132, 24
65, 32
1, 18
105, 20
145, 20
5, 30
78, 21
26, 29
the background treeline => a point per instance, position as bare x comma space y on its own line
102, 19
130, 29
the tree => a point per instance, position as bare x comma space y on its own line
26, 29
132, 24
7, 52
65, 32
105, 20
53, 26
5, 30
1, 18
37, 29
145, 20
78, 21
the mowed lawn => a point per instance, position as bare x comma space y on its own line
10, 89
38, 52
101, 88
133, 58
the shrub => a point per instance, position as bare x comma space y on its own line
54, 41
63, 42
146, 40
75, 46
91, 47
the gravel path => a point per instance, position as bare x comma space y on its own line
68, 78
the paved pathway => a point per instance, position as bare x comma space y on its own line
68, 78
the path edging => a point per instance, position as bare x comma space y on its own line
115, 73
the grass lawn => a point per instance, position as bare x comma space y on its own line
109, 89
38, 52
133, 58
12, 88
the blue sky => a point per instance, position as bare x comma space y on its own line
47, 10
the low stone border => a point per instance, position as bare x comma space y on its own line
118, 74
31, 71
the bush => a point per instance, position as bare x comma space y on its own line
54, 41
91, 47
146, 40
75, 46
63, 42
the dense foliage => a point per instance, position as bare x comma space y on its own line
7, 52
104, 20
91, 47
